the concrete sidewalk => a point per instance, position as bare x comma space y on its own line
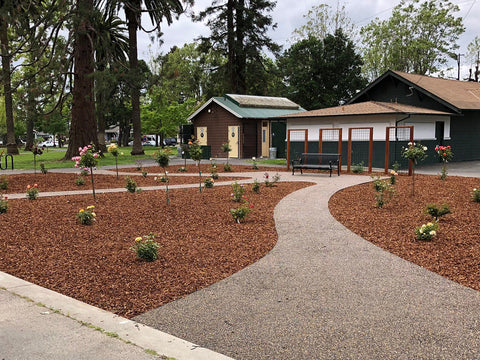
41, 324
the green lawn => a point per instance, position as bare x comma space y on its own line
53, 158
281, 162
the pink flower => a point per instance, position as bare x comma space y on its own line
28, 186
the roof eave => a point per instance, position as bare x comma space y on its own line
201, 108
401, 78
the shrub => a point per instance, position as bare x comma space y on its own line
270, 183
237, 192
358, 168
146, 248
393, 177
254, 163
144, 174
4, 183
87, 216
208, 182
3, 204
227, 168
435, 211
256, 186
43, 169
84, 171
384, 192
476, 195
80, 181
426, 231
130, 184
239, 214
32, 192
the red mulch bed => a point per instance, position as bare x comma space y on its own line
42, 242
66, 181
454, 253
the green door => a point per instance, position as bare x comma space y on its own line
279, 138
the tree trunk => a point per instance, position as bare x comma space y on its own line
83, 128
240, 57
231, 47
30, 117
131, 16
7, 88
100, 119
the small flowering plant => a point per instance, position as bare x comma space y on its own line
208, 182
36, 151
414, 152
393, 177
445, 154
3, 204
254, 163
32, 191
237, 192
113, 149
87, 216
146, 248
239, 214
476, 195
426, 231
87, 159
271, 182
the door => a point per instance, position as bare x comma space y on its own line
233, 139
439, 131
265, 139
202, 135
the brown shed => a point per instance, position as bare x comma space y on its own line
245, 121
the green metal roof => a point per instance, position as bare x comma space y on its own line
253, 107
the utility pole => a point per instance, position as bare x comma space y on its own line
458, 63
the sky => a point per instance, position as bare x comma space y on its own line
289, 14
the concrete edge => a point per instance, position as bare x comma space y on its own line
140, 335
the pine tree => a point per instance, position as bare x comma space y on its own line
238, 30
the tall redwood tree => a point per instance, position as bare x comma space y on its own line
83, 128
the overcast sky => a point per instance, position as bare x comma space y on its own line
288, 15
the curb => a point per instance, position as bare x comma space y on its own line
127, 330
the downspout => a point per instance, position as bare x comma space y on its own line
396, 134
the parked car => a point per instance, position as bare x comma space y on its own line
169, 141
48, 143
148, 143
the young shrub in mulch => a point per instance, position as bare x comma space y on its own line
87, 216
436, 211
146, 248
32, 192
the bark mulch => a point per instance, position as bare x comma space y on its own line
66, 181
42, 242
454, 253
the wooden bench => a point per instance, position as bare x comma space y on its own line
321, 161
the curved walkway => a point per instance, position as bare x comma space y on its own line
325, 293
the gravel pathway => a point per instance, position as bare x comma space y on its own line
325, 293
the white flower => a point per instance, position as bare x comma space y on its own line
409, 144
253, 158
421, 230
155, 178
433, 233
474, 189
425, 148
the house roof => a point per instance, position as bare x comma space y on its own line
253, 107
458, 95
368, 108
